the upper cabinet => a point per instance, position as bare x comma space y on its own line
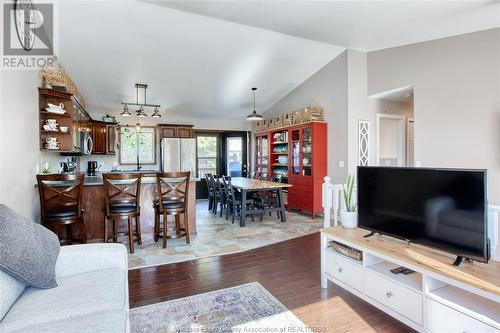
98, 135
175, 131
56, 120
111, 139
104, 138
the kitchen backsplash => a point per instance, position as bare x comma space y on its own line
107, 162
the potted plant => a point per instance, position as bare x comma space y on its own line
349, 217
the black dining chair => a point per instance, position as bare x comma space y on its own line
210, 189
215, 179
234, 200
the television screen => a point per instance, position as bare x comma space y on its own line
442, 208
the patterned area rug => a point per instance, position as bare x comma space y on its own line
246, 308
216, 236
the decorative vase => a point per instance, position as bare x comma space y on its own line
349, 219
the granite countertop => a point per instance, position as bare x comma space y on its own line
148, 177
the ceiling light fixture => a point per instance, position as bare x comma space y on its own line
125, 112
140, 113
156, 113
141, 101
254, 116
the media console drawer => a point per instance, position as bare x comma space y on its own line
441, 318
344, 270
402, 300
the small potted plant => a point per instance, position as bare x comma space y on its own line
349, 217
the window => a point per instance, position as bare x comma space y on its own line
207, 154
135, 144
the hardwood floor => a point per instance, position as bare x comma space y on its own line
290, 270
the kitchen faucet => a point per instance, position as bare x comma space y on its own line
138, 167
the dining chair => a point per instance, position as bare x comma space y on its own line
210, 189
122, 201
173, 198
234, 200
217, 192
61, 205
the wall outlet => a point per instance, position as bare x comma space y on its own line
341, 164
418, 164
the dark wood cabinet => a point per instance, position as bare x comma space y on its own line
175, 131
111, 139
104, 138
98, 138
167, 132
184, 132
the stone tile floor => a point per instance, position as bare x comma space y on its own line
216, 236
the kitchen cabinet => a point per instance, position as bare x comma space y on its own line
98, 134
184, 132
167, 132
111, 142
175, 131
64, 140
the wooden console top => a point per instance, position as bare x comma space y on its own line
479, 275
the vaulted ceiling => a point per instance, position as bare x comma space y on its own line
200, 58
196, 67
364, 25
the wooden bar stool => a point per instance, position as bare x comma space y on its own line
173, 196
60, 204
123, 192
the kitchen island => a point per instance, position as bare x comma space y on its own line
93, 202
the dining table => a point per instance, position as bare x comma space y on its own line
248, 185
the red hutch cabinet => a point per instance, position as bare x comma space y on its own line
299, 155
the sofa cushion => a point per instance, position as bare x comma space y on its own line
77, 295
115, 321
28, 251
10, 290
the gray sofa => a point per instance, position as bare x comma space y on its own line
91, 296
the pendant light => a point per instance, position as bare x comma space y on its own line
254, 116
156, 113
125, 112
140, 113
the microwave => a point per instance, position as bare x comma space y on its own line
85, 145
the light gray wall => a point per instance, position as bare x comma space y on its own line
19, 134
457, 99
326, 88
362, 107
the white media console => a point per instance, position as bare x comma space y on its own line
438, 297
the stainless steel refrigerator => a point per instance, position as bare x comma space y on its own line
178, 155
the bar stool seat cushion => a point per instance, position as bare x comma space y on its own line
122, 208
62, 214
170, 204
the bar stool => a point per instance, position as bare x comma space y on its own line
61, 204
122, 195
173, 196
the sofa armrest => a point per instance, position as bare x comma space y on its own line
77, 259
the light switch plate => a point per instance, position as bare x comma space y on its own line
341, 164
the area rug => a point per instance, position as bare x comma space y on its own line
245, 308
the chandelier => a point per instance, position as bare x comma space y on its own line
141, 102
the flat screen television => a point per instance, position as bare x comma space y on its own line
445, 209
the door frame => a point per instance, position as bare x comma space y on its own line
402, 129
244, 154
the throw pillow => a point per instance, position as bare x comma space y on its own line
28, 251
